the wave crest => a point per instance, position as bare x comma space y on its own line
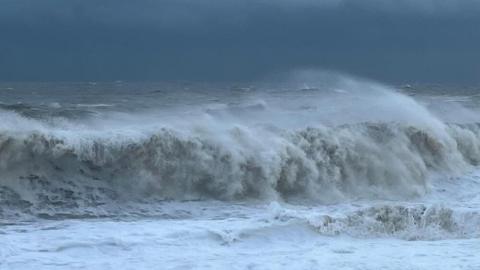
326, 164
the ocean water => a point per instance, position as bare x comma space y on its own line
330, 173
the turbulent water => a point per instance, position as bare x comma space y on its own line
332, 173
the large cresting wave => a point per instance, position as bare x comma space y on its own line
264, 151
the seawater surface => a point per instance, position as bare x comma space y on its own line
324, 173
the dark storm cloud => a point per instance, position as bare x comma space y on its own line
392, 40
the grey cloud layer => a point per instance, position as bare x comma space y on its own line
393, 40
188, 11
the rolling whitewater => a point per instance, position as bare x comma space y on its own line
329, 173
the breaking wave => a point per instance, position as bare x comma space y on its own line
407, 221
420, 222
326, 164
279, 149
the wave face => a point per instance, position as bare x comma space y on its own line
386, 161
388, 147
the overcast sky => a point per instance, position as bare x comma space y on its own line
232, 40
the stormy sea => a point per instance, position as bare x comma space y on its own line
329, 173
